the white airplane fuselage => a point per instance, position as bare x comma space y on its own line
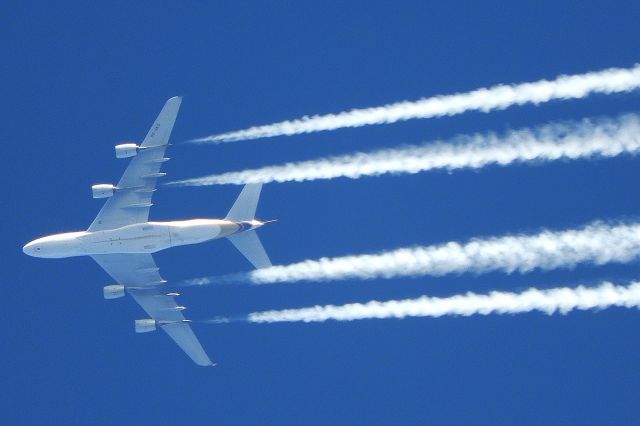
148, 237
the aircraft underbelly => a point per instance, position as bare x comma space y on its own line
140, 238
153, 236
181, 235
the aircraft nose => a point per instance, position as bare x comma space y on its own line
29, 249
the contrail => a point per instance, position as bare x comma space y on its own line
612, 80
562, 300
596, 244
566, 141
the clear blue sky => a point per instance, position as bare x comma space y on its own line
79, 78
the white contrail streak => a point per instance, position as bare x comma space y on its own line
596, 243
612, 80
562, 300
567, 141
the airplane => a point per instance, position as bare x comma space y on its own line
121, 239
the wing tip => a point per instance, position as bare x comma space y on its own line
205, 362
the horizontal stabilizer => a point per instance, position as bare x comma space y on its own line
244, 209
250, 246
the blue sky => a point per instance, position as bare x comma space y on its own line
80, 78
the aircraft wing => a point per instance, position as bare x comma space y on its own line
132, 198
139, 273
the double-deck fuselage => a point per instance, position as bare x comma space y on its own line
148, 237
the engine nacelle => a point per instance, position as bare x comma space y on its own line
103, 190
145, 325
113, 291
126, 150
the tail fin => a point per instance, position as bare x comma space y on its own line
245, 206
247, 242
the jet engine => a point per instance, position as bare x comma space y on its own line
113, 291
145, 325
103, 190
126, 150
